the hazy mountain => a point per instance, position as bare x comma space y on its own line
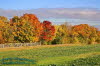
59, 15
76, 13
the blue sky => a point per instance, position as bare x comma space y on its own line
33, 4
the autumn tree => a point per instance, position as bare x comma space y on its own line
27, 28
48, 32
98, 37
62, 34
36, 25
84, 33
1, 31
21, 30
4, 19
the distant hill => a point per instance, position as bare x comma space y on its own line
76, 13
59, 15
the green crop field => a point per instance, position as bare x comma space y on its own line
88, 55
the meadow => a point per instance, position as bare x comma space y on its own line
54, 55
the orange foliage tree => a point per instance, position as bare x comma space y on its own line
27, 28
36, 25
98, 37
4, 19
1, 31
84, 33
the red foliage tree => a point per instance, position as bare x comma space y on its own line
48, 31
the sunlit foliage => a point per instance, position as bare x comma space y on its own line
28, 29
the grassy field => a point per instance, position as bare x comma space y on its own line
54, 55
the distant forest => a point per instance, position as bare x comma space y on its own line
28, 29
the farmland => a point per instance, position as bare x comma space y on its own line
49, 33
54, 55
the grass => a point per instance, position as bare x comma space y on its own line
59, 55
89, 61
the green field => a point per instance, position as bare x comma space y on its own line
88, 55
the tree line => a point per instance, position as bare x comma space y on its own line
28, 29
